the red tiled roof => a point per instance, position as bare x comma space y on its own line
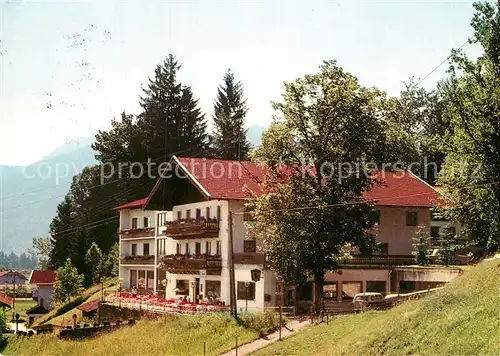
6, 300
401, 188
224, 179
221, 179
89, 306
43, 277
228, 180
132, 205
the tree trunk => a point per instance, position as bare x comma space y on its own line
319, 278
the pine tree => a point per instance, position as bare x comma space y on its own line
95, 261
62, 244
229, 138
171, 121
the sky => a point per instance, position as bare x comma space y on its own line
69, 67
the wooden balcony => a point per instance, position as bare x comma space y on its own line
249, 258
192, 264
192, 228
138, 260
137, 233
380, 260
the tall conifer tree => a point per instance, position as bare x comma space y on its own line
229, 141
171, 120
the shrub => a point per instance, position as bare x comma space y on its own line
263, 323
421, 242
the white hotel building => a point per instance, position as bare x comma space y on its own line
180, 233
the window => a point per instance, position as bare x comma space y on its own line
198, 248
207, 213
376, 286
384, 248
212, 289
377, 217
218, 213
183, 287
134, 249
178, 250
411, 218
244, 293
198, 214
179, 215
187, 249
249, 246
134, 223
218, 249
145, 249
161, 247
146, 222
188, 214
435, 231
451, 230
208, 247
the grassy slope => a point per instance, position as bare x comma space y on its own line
461, 319
56, 317
175, 336
23, 305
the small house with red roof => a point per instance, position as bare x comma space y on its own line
43, 286
175, 241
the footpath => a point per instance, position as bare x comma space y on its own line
286, 331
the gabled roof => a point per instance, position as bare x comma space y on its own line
42, 277
229, 180
136, 204
3, 273
223, 179
401, 188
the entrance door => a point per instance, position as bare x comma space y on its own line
133, 278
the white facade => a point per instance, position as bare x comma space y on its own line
44, 294
212, 246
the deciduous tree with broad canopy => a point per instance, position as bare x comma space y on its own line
313, 204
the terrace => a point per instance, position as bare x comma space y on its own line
137, 233
192, 264
137, 260
192, 228
156, 304
380, 260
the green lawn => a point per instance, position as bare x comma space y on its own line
461, 319
184, 335
62, 311
22, 306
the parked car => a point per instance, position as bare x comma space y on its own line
360, 300
461, 257
332, 295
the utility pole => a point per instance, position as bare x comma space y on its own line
232, 289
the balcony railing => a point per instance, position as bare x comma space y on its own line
381, 260
192, 228
249, 258
137, 233
192, 264
138, 260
